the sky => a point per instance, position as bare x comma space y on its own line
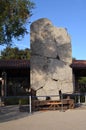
70, 14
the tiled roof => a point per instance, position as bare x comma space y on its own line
14, 63
78, 64
26, 64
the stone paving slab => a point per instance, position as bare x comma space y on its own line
49, 120
8, 113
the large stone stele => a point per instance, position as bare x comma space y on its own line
51, 56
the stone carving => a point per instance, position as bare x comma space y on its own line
51, 56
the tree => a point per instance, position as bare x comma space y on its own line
73, 58
82, 80
15, 53
82, 83
14, 14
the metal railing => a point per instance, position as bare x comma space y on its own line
79, 99
17, 100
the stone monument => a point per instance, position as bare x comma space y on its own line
51, 56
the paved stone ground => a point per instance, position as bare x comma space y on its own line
49, 120
8, 113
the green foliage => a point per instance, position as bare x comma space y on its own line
82, 84
23, 101
14, 14
82, 80
15, 53
16, 101
73, 58
11, 101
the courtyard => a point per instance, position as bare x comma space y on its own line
74, 119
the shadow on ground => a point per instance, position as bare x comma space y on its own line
8, 113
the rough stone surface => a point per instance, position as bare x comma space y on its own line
51, 58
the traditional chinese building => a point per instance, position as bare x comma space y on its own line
14, 77
79, 70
